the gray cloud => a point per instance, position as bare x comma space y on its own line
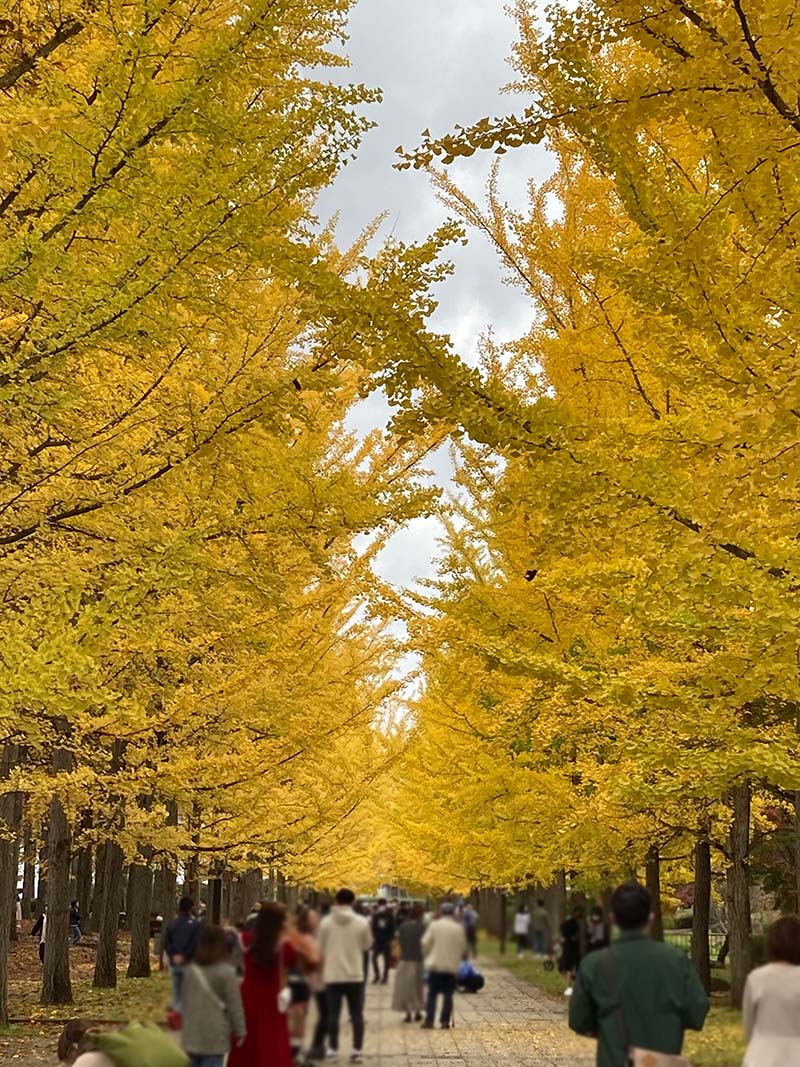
438, 62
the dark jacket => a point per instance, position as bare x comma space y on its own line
74, 917
410, 937
181, 939
655, 984
382, 928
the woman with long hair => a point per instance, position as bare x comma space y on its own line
268, 959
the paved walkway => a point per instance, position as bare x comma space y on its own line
508, 1023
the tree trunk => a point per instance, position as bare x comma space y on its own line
140, 901
252, 889
13, 932
225, 902
653, 877
738, 887
215, 899
10, 816
41, 886
107, 911
701, 912
56, 985
797, 851
236, 909
99, 884
555, 899
28, 871
83, 883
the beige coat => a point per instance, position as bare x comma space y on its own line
771, 1016
444, 944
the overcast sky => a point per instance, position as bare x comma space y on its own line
438, 63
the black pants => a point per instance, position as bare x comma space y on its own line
381, 952
440, 982
353, 993
321, 1028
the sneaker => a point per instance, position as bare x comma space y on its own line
426, 1026
356, 1056
418, 1017
332, 1054
568, 991
408, 1017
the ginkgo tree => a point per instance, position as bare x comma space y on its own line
195, 646
645, 523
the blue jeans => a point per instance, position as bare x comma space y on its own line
75, 933
205, 1061
176, 970
540, 942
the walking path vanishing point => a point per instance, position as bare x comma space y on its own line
508, 1024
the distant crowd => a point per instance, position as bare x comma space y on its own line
244, 991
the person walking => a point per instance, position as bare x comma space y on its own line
75, 923
212, 1012
383, 928
268, 959
540, 931
638, 993
180, 943
305, 978
771, 1007
344, 938
444, 944
522, 930
598, 934
571, 939
469, 920
407, 995
317, 987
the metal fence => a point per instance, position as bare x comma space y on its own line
683, 939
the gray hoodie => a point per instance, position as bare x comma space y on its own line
344, 937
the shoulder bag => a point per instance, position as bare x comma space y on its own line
637, 1057
205, 985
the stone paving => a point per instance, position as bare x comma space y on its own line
508, 1023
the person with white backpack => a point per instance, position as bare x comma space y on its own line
212, 1011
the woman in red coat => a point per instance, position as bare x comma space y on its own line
267, 960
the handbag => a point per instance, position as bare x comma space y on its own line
637, 1057
284, 989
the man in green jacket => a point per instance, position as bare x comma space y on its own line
639, 993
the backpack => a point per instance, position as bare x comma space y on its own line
140, 1045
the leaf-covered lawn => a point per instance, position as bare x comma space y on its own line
32, 1037
721, 1044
